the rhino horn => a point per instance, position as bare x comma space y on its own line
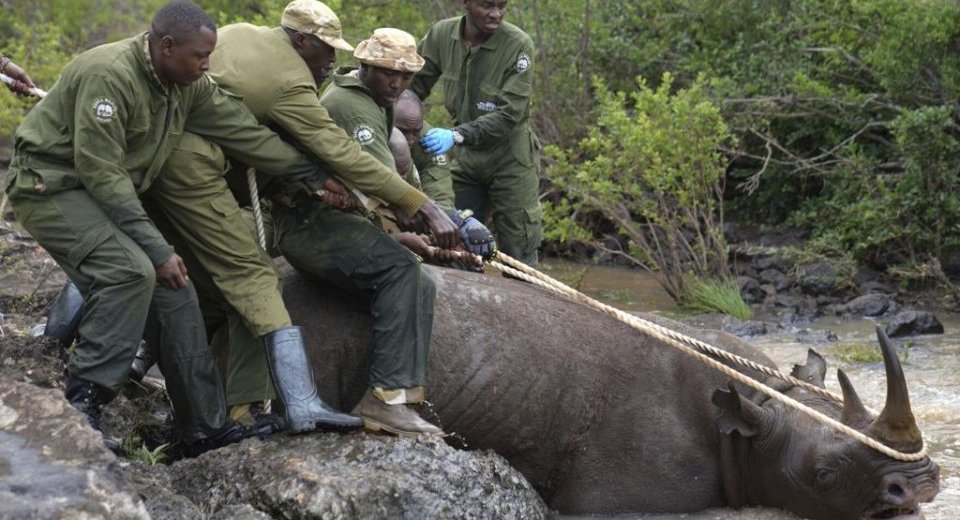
895, 426
813, 371
854, 414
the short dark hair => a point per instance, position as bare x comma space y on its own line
180, 19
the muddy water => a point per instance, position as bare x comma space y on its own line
931, 365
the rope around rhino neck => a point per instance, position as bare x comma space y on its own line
690, 347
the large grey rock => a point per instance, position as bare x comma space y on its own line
746, 328
818, 278
775, 278
778, 262
750, 289
912, 323
53, 465
358, 476
869, 305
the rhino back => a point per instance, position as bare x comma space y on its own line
598, 416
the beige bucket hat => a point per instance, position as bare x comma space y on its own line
391, 49
313, 17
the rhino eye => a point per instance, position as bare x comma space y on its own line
826, 477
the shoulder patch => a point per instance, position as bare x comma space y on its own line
440, 159
523, 62
104, 109
363, 134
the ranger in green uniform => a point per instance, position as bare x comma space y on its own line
485, 66
277, 71
361, 102
433, 173
239, 285
83, 157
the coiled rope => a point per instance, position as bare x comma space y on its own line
695, 348
257, 210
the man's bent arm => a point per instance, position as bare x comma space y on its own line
99, 147
225, 120
300, 113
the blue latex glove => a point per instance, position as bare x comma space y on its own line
437, 140
477, 238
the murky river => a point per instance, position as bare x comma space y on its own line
931, 365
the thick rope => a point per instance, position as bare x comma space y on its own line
663, 331
257, 211
687, 345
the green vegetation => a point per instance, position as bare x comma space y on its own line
836, 116
652, 167
857, 353
135, 449
715, 296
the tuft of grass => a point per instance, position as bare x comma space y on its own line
858, 352
135, 449
712, 295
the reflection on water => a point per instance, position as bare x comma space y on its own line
931, 365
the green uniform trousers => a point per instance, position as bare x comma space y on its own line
124, 303
238, 283
193, 195
506, 187
348, 251
239, 354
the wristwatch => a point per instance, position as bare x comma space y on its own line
457, 137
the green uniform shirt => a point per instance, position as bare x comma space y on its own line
260, 64
487, 89
107, 126
351, 105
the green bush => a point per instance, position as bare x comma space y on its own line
651, 166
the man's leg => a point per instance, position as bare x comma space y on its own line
193, 196
193, 382
470, 192
515, 208
348, 251
240, 355
119, 285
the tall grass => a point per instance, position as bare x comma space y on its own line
713, 295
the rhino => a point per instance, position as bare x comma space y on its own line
604, 419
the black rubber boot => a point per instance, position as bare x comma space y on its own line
88, 397
64, 315
293, 379
141, 362
232, 433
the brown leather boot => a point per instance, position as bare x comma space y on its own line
397, 419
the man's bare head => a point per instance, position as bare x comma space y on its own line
182, 37
401, 152
408, 116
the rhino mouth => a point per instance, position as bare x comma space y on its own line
890, 511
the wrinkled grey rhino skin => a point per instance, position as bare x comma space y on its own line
602, 419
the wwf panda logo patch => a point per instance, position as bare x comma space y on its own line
523, 62
363, 134
104, 109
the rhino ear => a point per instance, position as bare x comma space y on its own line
736, 413
813, 371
